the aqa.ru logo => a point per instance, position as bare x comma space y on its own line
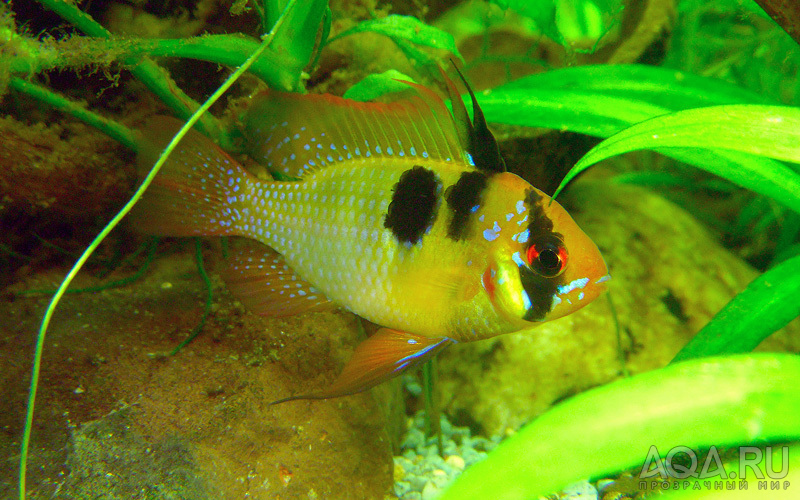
680, 469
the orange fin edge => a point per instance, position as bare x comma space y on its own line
381, 357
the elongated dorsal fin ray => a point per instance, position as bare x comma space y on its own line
382, 356
480, 142
262, 280
294, 134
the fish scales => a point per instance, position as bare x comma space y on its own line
330, 229
402, 213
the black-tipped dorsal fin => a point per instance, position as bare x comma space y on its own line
476, 137
294, 134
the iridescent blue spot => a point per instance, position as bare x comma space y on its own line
230, 181
412, 151
490, 235
526, 300
523, 236
424, 154
307, 147
296, 136
389, 150
573, 285
520, 206
470, 160
518, 260
284, 124
330, 158
377, 149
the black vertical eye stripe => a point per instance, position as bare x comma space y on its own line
539, 224
462, 197
541, 291
414, 205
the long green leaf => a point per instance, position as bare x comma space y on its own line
769, 131
668, 88
768, 303
406, 28
721, 401
378, 84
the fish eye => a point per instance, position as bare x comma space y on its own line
547, 256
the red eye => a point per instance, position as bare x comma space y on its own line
547, 257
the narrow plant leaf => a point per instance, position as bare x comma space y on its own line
406, 28
727, 131
664, 87
721, 401
569, 22
378, 84
767, 304
301, 36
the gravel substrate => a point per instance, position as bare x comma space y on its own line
420, 473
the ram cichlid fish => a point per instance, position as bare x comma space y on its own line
403, 214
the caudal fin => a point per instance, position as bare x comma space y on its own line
199, 190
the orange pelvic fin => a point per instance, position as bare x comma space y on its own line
381, 357
260, 278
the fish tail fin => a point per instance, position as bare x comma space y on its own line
198, 191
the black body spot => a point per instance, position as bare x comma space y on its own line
414, 204
462, 197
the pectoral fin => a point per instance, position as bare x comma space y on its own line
381, 357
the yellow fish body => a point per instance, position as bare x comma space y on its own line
403, 214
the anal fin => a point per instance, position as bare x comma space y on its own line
379, 358
260, 278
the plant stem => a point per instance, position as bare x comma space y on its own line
148, 72
230, 50
48, 315
113, 129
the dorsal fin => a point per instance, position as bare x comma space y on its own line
293, 133
480, 143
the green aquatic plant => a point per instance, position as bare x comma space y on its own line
722, 401
111, 225
594, 100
